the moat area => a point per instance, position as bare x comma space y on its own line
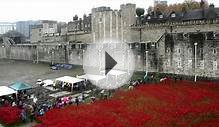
26, 71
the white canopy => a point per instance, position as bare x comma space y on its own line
92, 77
48, 82
69, 79
4, 90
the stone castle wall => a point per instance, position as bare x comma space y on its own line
178, 56
83, 38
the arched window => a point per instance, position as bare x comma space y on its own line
214, 51
178, 50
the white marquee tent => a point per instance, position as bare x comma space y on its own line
91, 77
4, 90
48, 82
69, 79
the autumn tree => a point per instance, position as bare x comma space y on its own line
179, 7
161, 7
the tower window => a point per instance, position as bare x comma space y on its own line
214, 51
179, 63
100, 20
168, 62
179, 50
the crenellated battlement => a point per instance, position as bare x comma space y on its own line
187, 23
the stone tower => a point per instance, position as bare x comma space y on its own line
112, 25
128, 17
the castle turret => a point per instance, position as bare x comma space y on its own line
128, 18
128, 13
109, 25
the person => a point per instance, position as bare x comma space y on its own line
163, 79
59, 104
34, 107
175, 78
83, 97
30, 112
23, 115
70, 101
41, 112
102, 93
93, 99
152, 78
20, 103
35, 99
105, 96
77, 101
76, 87
6, 103
54, 86
131, 87
1, 101
13, 104
84, 85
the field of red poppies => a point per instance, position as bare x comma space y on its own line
10, 115
167, 104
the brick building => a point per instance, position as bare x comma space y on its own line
45, 30
79, 25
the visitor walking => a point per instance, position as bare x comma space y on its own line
83, 97
23, 115
77, 101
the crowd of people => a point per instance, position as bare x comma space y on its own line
30, 109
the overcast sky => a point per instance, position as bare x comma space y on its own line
62, 10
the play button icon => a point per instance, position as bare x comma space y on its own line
108, 65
